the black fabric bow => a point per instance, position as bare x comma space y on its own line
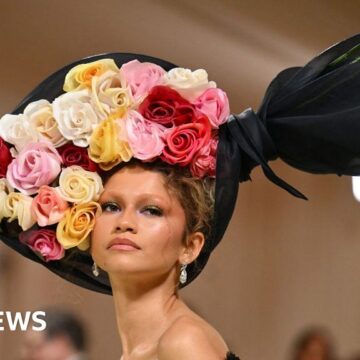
309, 117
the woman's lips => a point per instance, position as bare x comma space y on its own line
122, 247
123, 244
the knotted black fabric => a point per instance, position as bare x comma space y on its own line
309, 118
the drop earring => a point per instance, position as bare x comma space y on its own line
95, 269
183, 274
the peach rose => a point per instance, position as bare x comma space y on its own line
48, 207
5, 190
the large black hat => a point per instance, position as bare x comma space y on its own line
309, 117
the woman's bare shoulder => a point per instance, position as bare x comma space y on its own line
190, 336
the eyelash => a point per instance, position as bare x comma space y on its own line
155, 210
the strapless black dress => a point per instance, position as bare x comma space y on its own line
231, 356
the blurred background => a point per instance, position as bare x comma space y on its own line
284, 264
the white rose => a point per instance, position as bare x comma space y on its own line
79, 186
108, 97
18, 206
5, 190
39, 114
189, 84
17, 130
75, 116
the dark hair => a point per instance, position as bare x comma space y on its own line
64, 323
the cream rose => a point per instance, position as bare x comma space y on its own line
80, 76
79, 186
17, 130
74, 229
40, 116
5, 190
108, 97
18, 206
189, 84
75, 116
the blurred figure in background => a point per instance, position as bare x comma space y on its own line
63, 339
314, 343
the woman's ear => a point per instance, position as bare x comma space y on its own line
194, 244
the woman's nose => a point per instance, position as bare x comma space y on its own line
126, 221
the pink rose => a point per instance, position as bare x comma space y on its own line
37, 164
48, 207
144, 137
214, 104
141, 77
43, 241
182, 142
204, 161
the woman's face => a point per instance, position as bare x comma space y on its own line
137, 206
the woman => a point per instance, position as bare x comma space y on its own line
163, 213
64, 181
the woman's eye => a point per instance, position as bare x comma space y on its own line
109, 207
153, 210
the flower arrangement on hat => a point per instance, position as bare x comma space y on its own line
53, 155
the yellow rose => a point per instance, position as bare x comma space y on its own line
105, 146
18, 206
80, 76
74, 229
79, 186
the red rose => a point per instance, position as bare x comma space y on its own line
183, 142
74, 155
165, 106
44, 242
5, 158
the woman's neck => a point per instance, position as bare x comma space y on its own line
143, 312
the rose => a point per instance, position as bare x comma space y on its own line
189, 84
214, 104
106, 146
44, 242
5, 189
40, 116
204, 161
141, 77
75, 116
18, 206
36, 165
16, 130
182, 142
80, 76
77, 185
48, 207
108, 97
5, 158
74, 155
166, 107
144, 137
74, 229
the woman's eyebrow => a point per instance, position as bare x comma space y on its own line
148, 195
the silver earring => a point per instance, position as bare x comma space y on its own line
183, 274
95, 269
